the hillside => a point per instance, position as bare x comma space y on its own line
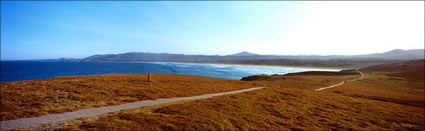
408, 69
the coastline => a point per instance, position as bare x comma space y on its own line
251, 65
248, 70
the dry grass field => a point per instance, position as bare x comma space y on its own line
401, 83
63, 94
383, 100
280, 107
386, 88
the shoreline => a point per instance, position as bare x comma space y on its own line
251, 65
271, 67
204, 63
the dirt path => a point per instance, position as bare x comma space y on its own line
342, 83
26, 122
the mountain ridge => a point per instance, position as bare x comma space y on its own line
142, 56
247, 58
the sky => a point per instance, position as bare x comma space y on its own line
78, 29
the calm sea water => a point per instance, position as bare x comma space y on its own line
34, 70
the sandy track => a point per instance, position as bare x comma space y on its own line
342, 83
26, 122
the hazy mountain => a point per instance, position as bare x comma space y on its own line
399, 54
139, 56
244, 53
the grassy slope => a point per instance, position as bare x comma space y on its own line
283, 105
386, 88
64, 94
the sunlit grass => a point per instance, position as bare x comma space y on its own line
64, 94
287, 104
268, 109
382, 87
378, 102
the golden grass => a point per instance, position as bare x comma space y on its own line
273, 108
287, 104
63, 94
387, 88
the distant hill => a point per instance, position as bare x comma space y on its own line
244, 53
398, 54
140, 56
330, 61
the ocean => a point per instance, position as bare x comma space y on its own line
35, 70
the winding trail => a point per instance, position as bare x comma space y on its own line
26, 122
342, 83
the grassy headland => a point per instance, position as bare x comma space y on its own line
289, 103
383, 100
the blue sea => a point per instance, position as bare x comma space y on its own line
35, 70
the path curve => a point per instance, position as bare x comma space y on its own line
26, 122
342, 83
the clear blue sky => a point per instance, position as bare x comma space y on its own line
77, 29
